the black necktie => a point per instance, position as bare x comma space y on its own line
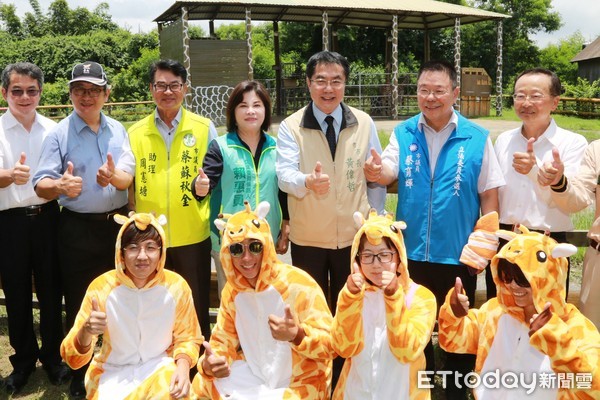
330, 134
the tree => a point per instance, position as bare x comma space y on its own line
10, 20
557, 57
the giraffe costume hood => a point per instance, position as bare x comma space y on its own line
260, 365
566, 345
382, 335
375, 228
147, 329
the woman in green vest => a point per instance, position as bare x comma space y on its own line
240, 166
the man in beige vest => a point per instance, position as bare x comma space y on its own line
321, 150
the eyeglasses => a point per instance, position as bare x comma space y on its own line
508, 272
369, 258
436, 93
533, 98
322, 83
92, 92
237, 249
175, 87
21, 92
134, 250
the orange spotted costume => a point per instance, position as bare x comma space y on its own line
262, 367
382, 337
147, 329
497, 332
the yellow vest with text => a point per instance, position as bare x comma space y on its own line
163, 179
326, 221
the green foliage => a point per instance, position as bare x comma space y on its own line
557, 57
582, 89
10, 20
131, 84
56, 92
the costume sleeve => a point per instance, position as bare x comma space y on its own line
581, 188
573, 345
459, 335
409, 328
347, 327
315, 318
68, 350
224, 339
187, 336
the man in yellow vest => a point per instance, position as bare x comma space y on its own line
169, 146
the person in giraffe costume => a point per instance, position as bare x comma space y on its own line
528, 328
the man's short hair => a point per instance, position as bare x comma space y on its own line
168, 65
22, 68
555, 85
326, 57
440, 66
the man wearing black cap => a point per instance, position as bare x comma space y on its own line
28, 247
87, 163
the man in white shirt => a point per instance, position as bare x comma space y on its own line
522, 153
28, 234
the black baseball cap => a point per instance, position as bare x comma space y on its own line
89, 71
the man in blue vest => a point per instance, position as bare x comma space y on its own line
447, 174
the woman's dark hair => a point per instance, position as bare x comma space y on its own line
132, 234
237, 96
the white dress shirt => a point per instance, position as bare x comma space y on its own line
523, 200
14, 140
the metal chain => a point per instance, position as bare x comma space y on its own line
499, 71
186, 53
395, 67
249, 44
457, 55
325, 31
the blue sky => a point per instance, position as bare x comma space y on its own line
137, 15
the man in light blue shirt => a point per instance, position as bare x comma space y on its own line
86, 162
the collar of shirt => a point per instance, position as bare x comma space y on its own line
10, 122
337, 115
162, 127
79, 124
435, 140
549, 133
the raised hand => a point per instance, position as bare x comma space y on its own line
213, 364
284, 329
96, 322
70, 185
106, 171
317, 181
202, 183
539, 320
524, 162
459, 302
20, 172
552, 171
373, 167
389, 280
355, 280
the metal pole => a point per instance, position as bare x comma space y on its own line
325, 31
499, 72
249, 44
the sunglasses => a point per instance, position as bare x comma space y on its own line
508, 272
237, 249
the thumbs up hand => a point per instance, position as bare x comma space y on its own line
373, 167
96, 322
285, 329
356, 280
551, 172
389, 280
523, 162
69, 184
459, 302
213, 364
20, 173
317, 181
106, 171
537, 321
202, 183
